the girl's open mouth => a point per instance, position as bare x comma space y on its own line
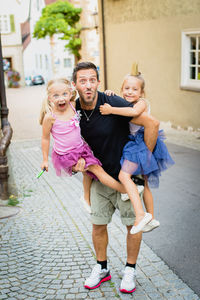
61, 105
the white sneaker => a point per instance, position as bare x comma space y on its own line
140, 188
151, 225
128, 282
125, 197
147, 218
86, 206
96, 278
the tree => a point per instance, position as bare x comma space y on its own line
61, 18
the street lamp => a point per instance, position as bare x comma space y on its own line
7, 134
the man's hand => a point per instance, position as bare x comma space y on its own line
105, 109
109, 93
80, 166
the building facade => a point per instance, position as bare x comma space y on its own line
26, 54
163, 37
12, 49
90, 33
46, 57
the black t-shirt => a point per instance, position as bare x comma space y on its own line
106, 134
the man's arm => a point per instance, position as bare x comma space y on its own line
151, 127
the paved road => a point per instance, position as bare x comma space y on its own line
24, 108
177, 206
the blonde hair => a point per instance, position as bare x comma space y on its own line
46, 104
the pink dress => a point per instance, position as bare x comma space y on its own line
69, 146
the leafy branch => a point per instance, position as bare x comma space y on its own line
61, 18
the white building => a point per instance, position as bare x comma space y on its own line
26, 54
10, 19
37, 53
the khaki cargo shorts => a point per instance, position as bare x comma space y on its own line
104, 201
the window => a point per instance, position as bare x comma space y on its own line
38, 5
7, 63
67, 63
5, 24
40, 61
46, 62
36, 61
190, 64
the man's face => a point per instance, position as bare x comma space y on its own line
87, 85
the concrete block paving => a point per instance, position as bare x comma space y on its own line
46, 250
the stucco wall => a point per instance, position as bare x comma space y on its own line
149, 32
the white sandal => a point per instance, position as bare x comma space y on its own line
153, 224
147, 218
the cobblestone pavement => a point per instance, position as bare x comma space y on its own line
46, 250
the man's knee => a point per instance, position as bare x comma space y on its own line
136, 238
99, 229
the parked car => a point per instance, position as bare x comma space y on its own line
37, 79
28, 80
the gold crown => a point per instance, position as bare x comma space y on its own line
134, 70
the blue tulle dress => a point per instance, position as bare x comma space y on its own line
138, 160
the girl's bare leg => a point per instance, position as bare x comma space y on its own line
133, 194
149, 205
87, 181
148, 199
106, 179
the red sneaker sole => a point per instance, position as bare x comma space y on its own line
127, 292
96, 286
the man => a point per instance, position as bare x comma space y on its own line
107, 135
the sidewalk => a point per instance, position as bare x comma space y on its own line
181, 137
46, 250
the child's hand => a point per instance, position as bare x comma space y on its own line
105, 109
80, 166
45, 165
109, 93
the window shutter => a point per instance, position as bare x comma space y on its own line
12, 23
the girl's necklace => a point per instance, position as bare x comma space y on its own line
88, 117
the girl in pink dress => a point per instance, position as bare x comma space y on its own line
60, 119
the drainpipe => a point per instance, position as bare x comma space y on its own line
6, 134
104, 45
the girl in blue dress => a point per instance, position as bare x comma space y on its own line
136, 157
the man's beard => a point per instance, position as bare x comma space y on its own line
85, 101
